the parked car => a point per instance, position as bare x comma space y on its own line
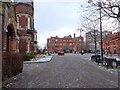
60, 53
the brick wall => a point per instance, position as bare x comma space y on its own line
22, 45
24, 11
111, 43
4, 41
23, 21
64, 44
24, 8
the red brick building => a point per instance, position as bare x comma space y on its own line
17, 36
111, 43
66, 44
8, 26
18, 33
25, 27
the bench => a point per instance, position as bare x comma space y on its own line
97, 59
117, 63
109, 61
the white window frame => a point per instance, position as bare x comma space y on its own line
35, 37
18, 21
29, 22
28, 46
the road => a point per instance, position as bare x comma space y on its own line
69, 71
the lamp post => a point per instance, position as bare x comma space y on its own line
99, 4
80, 35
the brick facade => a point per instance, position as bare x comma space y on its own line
9, 33
26, 8
18, 27
67, 43
111, 43
25, 28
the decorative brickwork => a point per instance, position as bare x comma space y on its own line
24, 8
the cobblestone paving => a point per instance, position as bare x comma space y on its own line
69, 71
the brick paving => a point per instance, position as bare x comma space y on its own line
69, 71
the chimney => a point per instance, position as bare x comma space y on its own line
74, 35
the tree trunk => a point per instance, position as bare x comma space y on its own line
95, 46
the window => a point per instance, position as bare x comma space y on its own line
70, 43
18, 21
56, 48
49, 41
28, 22
28, 46
60, 39
35, 37
35, 49
56, 40
52, 38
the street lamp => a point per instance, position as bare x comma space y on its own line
99, 4
80, 35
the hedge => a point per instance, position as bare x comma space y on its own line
12, 64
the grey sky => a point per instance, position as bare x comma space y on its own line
59, 17
56, 18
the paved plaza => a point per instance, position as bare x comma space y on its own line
68, 71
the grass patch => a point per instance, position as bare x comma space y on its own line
109, 67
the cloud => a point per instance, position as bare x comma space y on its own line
64, 31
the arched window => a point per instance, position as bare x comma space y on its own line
29, 22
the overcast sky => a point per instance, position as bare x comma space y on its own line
56, 18
61, 18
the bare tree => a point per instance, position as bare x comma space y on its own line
92, 30
110, 8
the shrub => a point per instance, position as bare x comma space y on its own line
28, 56
42, 52
12, 64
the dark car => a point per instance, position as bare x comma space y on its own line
60, 53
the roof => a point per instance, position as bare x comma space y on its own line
67, 37
28, 2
